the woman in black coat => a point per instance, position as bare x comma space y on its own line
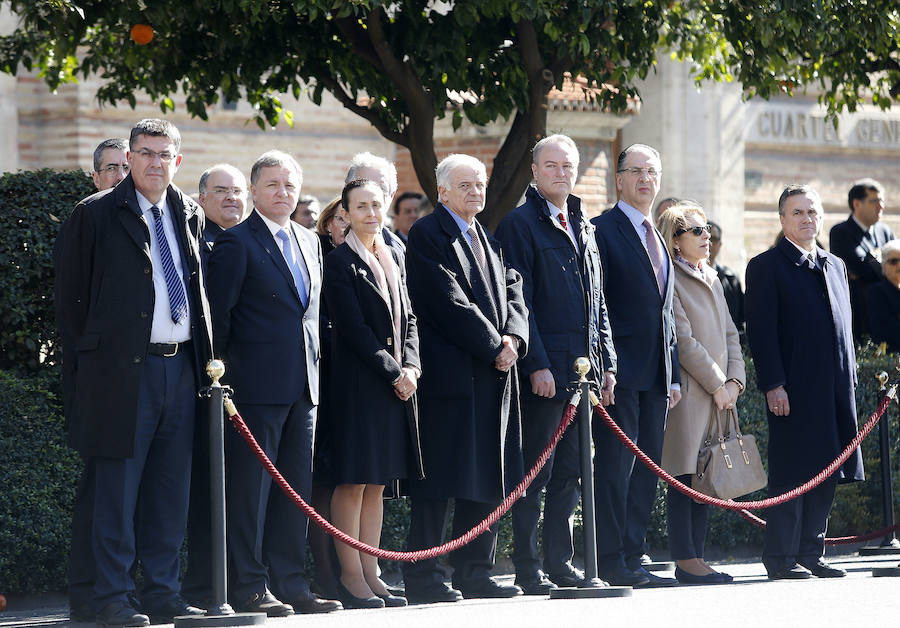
883, 299
375, 357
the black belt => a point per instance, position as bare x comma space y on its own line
167, 349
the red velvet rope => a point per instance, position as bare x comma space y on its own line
447, 547
744, 507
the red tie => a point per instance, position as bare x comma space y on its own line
562, 221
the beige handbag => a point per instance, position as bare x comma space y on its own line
728, 464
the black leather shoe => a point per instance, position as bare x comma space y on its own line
166, 613
265, 603
487, 588
567, 577
351, 601
432, 593
82, 612
790, 572
117, 614
821, 569
393, 601
621, 576
535, 584
685, 577
314, 604
653, 580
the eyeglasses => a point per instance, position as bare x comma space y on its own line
697, 231
651, 173
892, 260
224, 191
114, 168
165, 156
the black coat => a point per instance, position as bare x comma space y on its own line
469, 411
104, 303
857, 250
734, 295
372, 429
643, 323
567, 316
799, 329
883, 300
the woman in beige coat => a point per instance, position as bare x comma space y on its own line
712, 377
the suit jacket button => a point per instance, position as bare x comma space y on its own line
147, 270
144, 315
137, 359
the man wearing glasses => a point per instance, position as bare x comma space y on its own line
223, 197
637, 283
110, 163
858, 241
130, 299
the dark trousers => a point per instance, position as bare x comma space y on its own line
624, 491
152, 486
471, 563
81, 553
560, 475
686, 521
795, 530
197, 583
266, 531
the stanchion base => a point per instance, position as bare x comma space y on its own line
873, 550
581, 593
663, 565
882, 572
237, 619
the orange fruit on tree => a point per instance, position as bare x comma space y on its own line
141, 34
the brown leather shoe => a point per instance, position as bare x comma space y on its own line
314, 604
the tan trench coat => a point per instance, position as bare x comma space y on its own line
709, 352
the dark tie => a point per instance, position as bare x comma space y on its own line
562, 221
656, 256
477, 248
292, 264
174, 285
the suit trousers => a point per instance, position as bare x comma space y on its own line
560, 475
686, 521
471, 563
81, 553
795, 530
152, 486
266, 530
623, 491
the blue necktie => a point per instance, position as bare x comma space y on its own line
292, 264
174, 285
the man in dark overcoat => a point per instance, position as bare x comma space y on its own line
858, 241
638, 282
550, 242
130, 299
472, 328
800, 333
265, 282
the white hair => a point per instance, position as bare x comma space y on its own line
452, 162
368, 160
557, 138
890, 247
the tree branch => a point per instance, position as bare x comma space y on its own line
388, 132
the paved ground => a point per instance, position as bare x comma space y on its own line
751, 602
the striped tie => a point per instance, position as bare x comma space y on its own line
174, 285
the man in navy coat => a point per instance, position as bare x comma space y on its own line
638, 284
858, 241
550, 242
265, 279
799, 328
473, 327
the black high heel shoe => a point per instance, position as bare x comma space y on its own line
351, 601
393, 601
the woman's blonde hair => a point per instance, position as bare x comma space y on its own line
675, 219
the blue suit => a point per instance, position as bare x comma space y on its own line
799, 329
643, 328
270, 344
567, 319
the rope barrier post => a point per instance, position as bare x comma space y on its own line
591, 586
221, 613
889, 544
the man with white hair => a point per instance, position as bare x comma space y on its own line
473, 328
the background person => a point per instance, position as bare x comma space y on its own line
731, 284
110, 163
331, 226
883, 299
406, 212
374, 355
306, 214
712, 377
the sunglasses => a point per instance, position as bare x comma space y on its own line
697, 231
